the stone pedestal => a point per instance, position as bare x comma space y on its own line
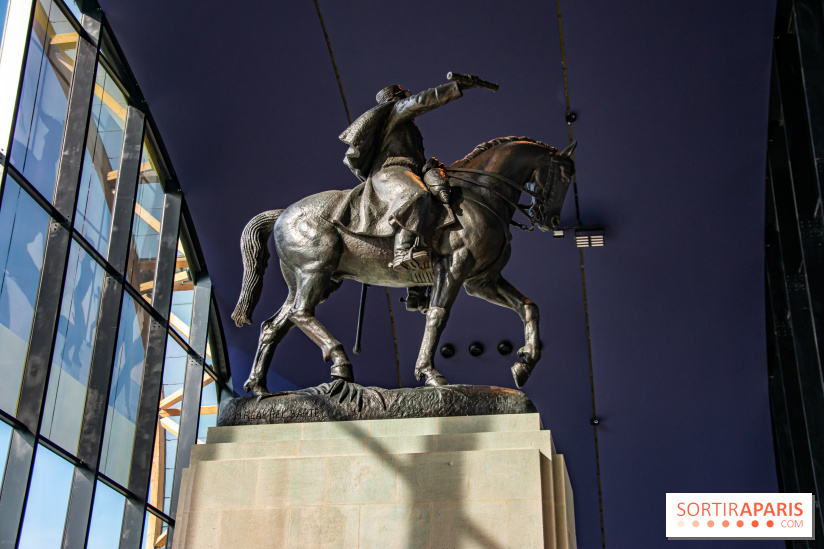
435, 483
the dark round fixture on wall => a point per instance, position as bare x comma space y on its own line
571, 117
505, 347
447, 350
476, 348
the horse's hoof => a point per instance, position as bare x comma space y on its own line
255, 388
433, 377
344, 372
521, 373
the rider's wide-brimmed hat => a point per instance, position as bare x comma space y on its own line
388, 93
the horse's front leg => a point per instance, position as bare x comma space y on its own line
500, 292
450, 273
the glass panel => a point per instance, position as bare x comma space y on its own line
72, 356
182, 294
23, 227
168, 426
5, 441
208, 356
74, 8
148, 212
107, 518
4, 6
101, 161
154, 532
208, 407
42, 112
16, 16
124, 393
48, 501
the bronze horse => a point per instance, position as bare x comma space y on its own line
316, 256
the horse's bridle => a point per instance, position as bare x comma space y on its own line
531, 188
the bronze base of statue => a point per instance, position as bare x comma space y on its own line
343, 401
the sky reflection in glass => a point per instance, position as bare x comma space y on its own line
107, 518
48, 501
42, 112
25, 225
208, 407
124, 393
101, 162
72, 355
148, 213
168, 426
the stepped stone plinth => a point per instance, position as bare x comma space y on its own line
435, 483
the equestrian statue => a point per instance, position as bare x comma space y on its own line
412, 223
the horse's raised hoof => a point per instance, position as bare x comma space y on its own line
521, 373
433, 377
344, 372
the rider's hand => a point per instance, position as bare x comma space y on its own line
467, 82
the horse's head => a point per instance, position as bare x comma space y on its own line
549, 184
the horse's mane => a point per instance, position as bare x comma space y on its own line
483, 147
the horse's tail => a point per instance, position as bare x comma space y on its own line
255, 259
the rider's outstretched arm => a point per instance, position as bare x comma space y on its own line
425, 101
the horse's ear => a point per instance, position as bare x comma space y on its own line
568, 151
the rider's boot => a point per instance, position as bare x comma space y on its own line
406, 257
417, 299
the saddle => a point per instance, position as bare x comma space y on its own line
362, 211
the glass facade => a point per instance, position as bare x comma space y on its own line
41, 115
99, 305
72, 355
182, 294
101, 160
168, 426
124, 393
24, 227
107, 518
148, 211
48, 501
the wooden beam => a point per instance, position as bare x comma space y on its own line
64, 41
179, 325
208, 410
146, 166
155, 224
179, 278
147, 217
177, 396
157, 488
171, 400
161, 540
169, 412
170, 426
117, 109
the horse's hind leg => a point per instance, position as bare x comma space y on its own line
313, 289
272, 331
500, 292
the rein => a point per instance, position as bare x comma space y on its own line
523, 209
495, 176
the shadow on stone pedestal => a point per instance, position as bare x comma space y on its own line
486, 481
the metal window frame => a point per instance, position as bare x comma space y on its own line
22, 450
95, 33
794, 261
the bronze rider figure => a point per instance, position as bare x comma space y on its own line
386, 145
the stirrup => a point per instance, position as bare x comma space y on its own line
410, 260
